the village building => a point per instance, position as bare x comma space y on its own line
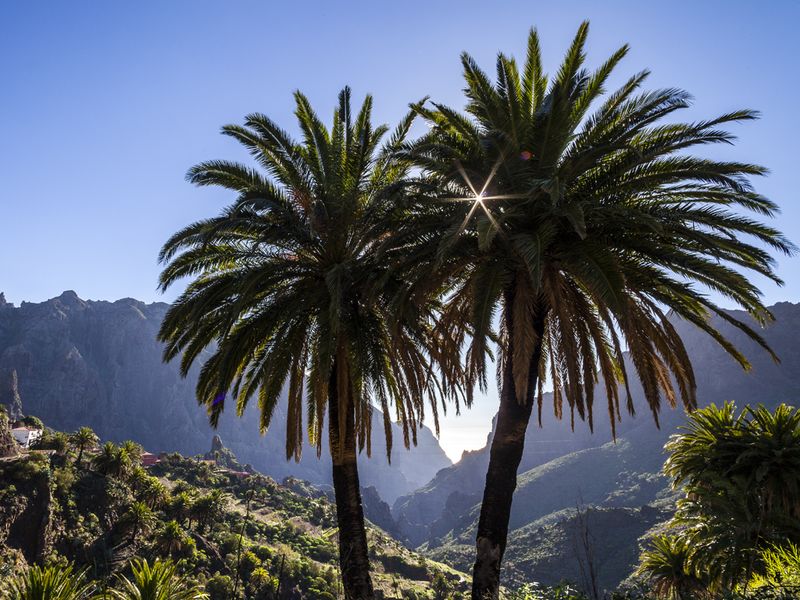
25, 436
149, 459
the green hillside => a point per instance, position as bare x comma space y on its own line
219, 524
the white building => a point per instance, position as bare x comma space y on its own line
26, 436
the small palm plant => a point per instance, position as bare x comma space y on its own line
49, 583
667, 566
159, 581
83, 439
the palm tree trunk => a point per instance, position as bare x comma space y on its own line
501, 476
353, 551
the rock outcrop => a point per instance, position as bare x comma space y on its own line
26, 506
377, 511
9, 394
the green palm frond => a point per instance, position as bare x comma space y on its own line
159, 581
49, 583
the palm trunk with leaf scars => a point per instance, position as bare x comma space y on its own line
505, 455
353, 551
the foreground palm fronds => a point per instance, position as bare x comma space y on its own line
49, 583
159, 581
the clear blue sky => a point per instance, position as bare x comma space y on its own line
104, 106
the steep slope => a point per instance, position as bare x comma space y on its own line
97, 363
591, 469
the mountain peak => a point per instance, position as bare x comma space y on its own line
70, 299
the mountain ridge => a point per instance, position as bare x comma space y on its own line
98, 363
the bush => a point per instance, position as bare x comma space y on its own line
220, 587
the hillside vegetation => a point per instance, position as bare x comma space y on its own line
233, 533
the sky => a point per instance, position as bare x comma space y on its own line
105, 105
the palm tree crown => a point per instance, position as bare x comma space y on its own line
291, 282
741, 476
83, 439
598, 222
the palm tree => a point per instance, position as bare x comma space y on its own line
83, 439
159, 581
741, 476
153, 493
669, 570
208, 508
113, 461
293, 287
133, 450
170, 538
180, 506
48, 583
139, 518
584, 231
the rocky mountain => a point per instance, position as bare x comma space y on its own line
618, 483
76, 362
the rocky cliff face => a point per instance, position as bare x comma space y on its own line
98, 363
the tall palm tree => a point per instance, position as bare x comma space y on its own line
159, 581
83, 439
584, 229
48, 583
292, 285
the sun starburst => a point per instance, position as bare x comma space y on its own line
480, 198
